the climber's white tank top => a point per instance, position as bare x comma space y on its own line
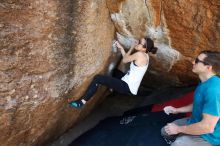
134, 77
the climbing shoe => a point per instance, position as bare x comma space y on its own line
76, 104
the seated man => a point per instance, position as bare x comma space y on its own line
203, 127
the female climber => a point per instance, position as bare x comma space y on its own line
125, 83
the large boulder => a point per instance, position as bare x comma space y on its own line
49, 52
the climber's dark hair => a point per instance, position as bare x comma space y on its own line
149, 45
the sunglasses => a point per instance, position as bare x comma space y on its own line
197, 61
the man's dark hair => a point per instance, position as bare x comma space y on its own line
149, 45
213, 58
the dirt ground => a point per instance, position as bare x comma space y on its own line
116, 105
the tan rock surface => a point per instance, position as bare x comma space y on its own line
49, 51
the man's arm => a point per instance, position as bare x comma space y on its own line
173, 110
207, 125
185, 109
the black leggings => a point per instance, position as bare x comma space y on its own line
111, 82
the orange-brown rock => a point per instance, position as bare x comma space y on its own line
180, 29
49, 51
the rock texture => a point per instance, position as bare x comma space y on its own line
51, 49
49, 52
180, 29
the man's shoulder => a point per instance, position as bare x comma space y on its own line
215, 81
213, 90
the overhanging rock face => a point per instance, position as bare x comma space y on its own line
180, 29
51, 49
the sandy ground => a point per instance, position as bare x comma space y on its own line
116, 105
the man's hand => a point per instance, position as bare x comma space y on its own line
172, 129
170, 110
